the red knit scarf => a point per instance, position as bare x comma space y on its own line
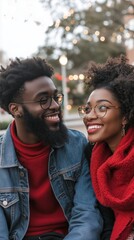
113, 181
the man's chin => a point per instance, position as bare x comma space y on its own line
55, 135
54, 127
52, 133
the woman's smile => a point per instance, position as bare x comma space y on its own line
105, 122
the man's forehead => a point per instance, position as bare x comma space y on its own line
40, 85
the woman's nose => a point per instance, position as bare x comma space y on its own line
91, 114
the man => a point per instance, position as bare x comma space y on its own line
45, 187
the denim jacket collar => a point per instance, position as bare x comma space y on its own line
7, 158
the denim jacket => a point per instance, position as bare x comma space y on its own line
71, 184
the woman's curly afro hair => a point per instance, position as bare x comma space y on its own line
117, 76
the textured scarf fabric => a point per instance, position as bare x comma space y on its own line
113, 181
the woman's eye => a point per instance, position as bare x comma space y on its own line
87, 109
102, 108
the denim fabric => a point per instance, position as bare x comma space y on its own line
71, 184
49, 236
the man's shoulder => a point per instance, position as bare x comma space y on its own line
75, 133
5, 135
1, 137
75, 136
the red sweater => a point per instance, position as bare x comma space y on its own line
46, 214
113, 182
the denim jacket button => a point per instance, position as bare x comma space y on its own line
21, 174
5, 203
25, 216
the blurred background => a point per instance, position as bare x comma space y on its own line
69, 34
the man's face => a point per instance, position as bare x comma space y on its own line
43, 120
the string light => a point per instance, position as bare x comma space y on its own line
119, 38
70, 77
71, 11
102, 39
75, 77
85, 31
67, 28
75, 41
65, 16
97, 33
57, 23
81, 76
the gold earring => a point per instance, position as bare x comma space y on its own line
123, 131
18, 116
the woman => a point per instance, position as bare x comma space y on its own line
109, 119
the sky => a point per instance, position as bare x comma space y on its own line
21, 33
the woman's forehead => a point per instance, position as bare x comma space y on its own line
102, 94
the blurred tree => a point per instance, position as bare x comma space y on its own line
86, 31
2, 55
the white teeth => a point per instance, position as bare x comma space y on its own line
94, 126
52, 117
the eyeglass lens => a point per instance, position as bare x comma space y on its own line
100, 110
45, 102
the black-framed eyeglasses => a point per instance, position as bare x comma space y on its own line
46, 101
100, 110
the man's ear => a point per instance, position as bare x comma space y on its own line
15, 110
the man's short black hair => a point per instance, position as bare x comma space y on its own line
19, 71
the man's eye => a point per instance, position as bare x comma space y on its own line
44, 100
102, 108
56, 98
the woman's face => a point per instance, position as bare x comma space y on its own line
104, 121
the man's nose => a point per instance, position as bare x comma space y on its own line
54, 104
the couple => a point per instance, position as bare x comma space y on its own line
45, 186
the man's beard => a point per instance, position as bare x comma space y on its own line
41, 130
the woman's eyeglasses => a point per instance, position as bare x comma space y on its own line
100, 110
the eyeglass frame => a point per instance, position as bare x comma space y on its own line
48, 97
107, 107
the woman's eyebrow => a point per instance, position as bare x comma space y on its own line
101, 100
104, 100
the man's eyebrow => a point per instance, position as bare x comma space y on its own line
56, 91
46, 93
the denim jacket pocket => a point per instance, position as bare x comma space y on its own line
8, 199
70, 177
72, 174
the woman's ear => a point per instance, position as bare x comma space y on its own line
15, 110
124, 121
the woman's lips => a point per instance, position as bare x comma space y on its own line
93, 128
